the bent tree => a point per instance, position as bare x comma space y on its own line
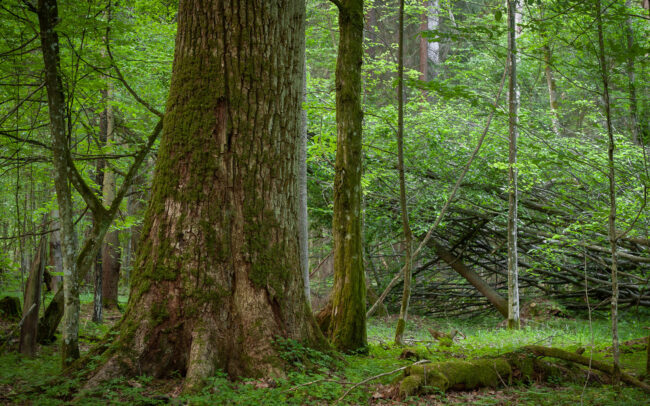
217, 275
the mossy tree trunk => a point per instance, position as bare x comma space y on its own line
48, 18
218, 275
347, 327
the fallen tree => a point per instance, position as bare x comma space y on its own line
527, 364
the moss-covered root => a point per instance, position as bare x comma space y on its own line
456, 375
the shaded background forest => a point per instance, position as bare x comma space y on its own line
453, 77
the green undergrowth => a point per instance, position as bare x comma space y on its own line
314, 377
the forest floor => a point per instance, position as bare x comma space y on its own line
319, 378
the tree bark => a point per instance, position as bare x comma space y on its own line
48, 18
218, 275
110, 249
406, 228
513, 132
303, 219
347, 329
100, 165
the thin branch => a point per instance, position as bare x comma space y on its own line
372, 378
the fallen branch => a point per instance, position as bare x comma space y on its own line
372, 378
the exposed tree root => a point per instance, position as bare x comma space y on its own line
525, 365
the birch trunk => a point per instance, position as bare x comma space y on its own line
513, 133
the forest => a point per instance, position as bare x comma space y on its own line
324, 202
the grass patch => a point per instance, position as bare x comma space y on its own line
321, 378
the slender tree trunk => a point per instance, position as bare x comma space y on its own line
22, 246
629, 34
347, 329
552, 91
48, 18
424, 46
110, 250
406, 228
616, 377
99, 180
303, 219
218, 268
56, 259
513, 132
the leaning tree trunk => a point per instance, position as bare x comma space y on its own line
48, 18
347, 328
217, 276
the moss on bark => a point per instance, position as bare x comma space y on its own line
347, 327
217, 274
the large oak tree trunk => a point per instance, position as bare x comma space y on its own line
218, 273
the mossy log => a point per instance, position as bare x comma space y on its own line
524, 365
456, 375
